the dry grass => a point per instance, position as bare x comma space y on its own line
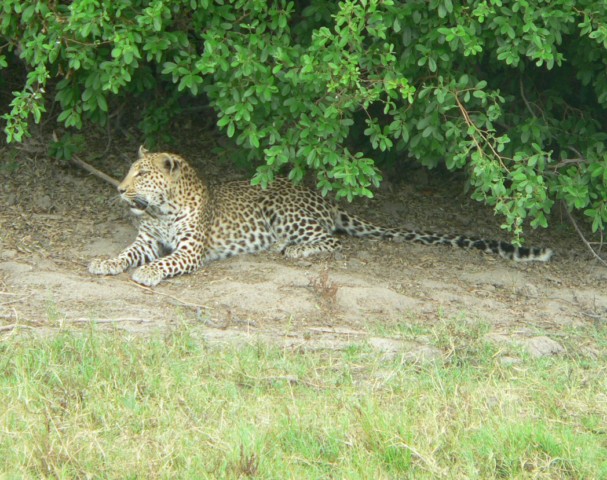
325, 289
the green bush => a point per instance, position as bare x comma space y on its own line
514, 92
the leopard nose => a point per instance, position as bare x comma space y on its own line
121, 190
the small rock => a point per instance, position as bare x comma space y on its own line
540, 346
591, 352
543, 346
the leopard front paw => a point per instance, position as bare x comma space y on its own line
148, 276
113, 266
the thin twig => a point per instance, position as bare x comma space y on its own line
13, 326
569, 161
575, 150
470, 123
594, 316
337, 331
580, 159
14, 301
183, 302
106, 320
17, 297
89, 168
577, 229
527, 104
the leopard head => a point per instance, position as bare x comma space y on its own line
151, 183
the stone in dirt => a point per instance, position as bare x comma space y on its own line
543, 346
539, 346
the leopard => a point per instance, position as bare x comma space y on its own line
186, 222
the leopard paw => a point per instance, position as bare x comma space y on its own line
148, 276
113, 266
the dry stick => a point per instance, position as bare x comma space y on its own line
89, 168
183, 302
13, 301
579, 232
13, 326
107, 320
337, 332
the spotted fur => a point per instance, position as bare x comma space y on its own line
185, 223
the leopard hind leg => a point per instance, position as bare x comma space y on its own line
299, 236
322, 244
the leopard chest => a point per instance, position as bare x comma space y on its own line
170, 232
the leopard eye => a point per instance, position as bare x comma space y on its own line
141, 173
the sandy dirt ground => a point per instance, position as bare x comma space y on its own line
55, 218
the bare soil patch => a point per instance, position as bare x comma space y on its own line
54, 219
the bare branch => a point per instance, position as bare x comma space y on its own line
178, 300
89, 168
527, 104
107, 320
470, 123
579, 232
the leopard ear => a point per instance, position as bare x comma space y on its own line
142, 152
171, 163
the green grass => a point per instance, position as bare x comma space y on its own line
109, 405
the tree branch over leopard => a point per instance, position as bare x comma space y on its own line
186, 223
